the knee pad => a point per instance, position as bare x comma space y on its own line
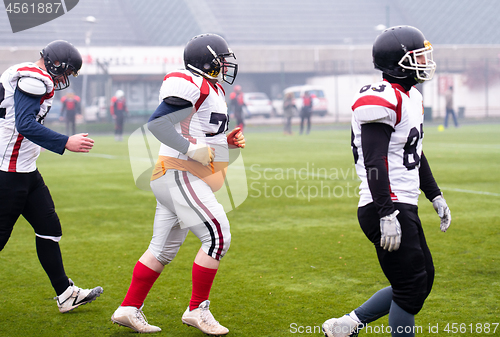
165, 256
226, 244
411, 299
166, 253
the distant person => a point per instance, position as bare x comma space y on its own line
449, 107
118, 111
306, 112
236, 106
70, 108
27, 92
288, 110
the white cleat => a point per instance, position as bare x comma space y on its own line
344, 326
133, 318
202, 319
73, 297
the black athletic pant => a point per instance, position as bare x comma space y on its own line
120, 120
26, 194
238, 115
70, 122
305, 115
410, 269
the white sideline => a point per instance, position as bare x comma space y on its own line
469, 191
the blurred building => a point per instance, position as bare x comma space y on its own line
278, 43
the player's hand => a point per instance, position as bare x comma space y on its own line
202, 153
443, 211
79, 143
236, 138
391, 232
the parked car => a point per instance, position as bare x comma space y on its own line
97, 110
257, 104
320, 103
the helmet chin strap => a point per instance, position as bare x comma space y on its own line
201, 73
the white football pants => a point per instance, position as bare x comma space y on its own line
186, 203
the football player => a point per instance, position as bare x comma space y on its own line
190, 121
387, 133
236, 105
26, 94
70, 108
118, 109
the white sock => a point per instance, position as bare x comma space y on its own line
353, 315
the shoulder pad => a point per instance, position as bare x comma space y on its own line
31, 86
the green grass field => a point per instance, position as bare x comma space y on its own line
297, 258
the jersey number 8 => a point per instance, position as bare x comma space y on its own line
411, 159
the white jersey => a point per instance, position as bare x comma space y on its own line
208, 120
388, 103
18, 154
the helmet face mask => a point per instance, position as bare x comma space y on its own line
60, 76
403, 52
229, 69
61, 60
207, 55
421, 61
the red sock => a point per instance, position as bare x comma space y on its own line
202, 283
143, 279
